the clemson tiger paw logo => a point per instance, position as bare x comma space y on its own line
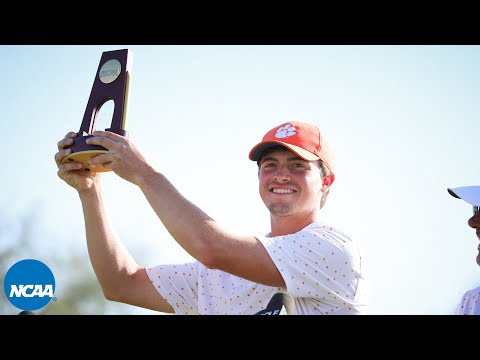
285, 131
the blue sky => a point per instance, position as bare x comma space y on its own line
401, 119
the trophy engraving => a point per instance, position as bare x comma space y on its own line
111, 83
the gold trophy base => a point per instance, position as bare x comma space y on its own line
84, 156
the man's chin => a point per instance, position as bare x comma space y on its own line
280, 210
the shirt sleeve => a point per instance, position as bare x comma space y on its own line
178, 285
469, 305
460, 306
319, 263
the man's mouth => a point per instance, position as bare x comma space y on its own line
282, 191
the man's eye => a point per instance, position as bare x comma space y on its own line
298, 165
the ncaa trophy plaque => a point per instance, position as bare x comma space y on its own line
111, 83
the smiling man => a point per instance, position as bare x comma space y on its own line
319, 266
470, 303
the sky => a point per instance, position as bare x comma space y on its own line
401, 120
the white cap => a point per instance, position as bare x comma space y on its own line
470, 194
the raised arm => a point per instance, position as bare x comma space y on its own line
195, 231
120, 277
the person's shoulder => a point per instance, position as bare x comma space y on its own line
330, 235
475, 292
324, 228
469, 304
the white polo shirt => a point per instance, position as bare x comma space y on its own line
322, 268
470, 304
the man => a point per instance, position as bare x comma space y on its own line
318, 265
470, 304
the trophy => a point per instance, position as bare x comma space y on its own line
111, 83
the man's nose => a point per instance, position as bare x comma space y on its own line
282, 175
474, 221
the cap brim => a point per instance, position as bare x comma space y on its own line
470, 194
257, 151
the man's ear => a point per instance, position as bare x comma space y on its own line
328, 181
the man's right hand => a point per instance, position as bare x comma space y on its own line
72, 172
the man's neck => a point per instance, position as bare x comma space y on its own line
284, 225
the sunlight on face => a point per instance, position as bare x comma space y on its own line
289, 185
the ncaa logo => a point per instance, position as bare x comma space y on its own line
29, 285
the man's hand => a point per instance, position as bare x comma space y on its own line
72, 172
123, 156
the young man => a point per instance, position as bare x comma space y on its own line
316, 264
470, 304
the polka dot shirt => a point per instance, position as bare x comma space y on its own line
321, 267
470, 304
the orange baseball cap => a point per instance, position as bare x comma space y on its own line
305, 140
